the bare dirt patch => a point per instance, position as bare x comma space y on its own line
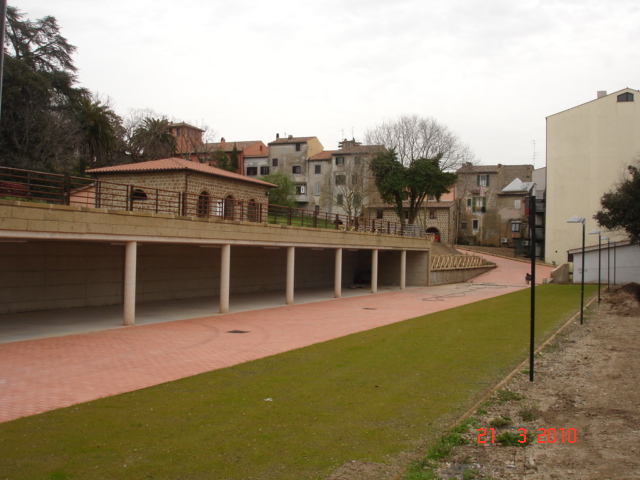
581, 413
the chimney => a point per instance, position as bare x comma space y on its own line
602, 93
290, 137
223, 143
277, 136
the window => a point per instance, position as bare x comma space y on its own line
317, 169
339, 160
264, 170
274, 162
301, 190
356, 200
432, 197
297, 169
316, 190
517, 204
464, 225
468, 202
297, 147
515, 227
379, 214
341, 179
474, 224
479, 204
229, 207
354, 179
357, 160
483, 180
432, 214
253, 210
251, 171
138, 194
625, 97
340, 199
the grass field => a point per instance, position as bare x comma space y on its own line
297, 415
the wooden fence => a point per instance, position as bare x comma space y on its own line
450, 262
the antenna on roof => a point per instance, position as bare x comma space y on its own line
534, 151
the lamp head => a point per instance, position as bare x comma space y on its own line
576, 219
594, 232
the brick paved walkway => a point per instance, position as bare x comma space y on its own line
45, 374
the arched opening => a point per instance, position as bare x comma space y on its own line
229, 205
253, 209
138, 194
204, 200
433, 233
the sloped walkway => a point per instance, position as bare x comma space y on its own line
49, 373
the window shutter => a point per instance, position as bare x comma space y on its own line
478, 179
487, 179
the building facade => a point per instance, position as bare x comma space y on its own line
588, 150
291, 156
492, 208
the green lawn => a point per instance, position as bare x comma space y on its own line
363, 396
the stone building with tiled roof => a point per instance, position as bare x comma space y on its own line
206, 190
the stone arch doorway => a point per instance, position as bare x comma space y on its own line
435, 233
204, 201
229, 207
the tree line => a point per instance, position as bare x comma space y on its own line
50, 123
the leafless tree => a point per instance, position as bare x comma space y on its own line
351, 187
416, 137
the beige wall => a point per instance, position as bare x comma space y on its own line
68, 256
588, 149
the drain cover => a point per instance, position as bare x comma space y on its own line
238, 331
369, 308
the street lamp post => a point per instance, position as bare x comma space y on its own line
608, 264
599, 233
576, 219
532, 222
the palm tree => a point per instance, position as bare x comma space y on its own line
99, 126
152, 140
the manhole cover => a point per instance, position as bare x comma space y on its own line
238, 331
369, 308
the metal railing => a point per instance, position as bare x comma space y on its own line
16, 184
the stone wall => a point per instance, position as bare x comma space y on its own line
443, 277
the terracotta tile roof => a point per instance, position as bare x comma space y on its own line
167, 164
324, 155
228, 146
183, 124
292, 140
359, 149
479, 169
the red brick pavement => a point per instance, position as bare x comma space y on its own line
45, 374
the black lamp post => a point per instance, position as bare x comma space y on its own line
532, 223
608, 263
576, 219
599, 233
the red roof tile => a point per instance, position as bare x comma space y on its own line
166, 164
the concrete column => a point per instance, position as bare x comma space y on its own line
337, 282
130, 261
291, 260
374, 271
225, 276
403, 269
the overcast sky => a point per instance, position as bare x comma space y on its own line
490, 70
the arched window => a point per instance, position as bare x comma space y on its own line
229, 204
138, 194
203, 204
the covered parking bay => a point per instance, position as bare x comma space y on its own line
57, 257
